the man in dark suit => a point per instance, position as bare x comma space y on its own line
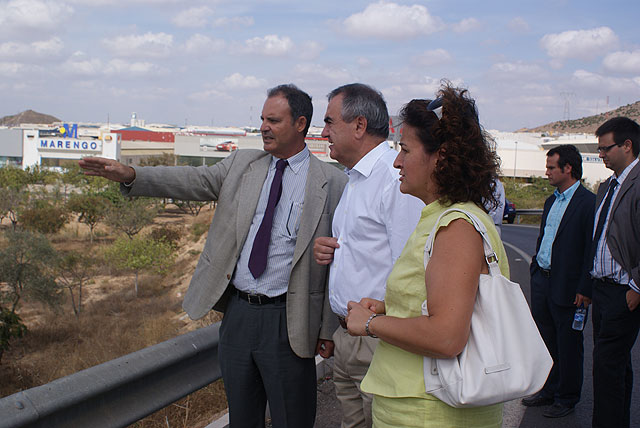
560, 280
264, 278
616, 273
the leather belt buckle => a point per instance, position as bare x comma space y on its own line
260, 299
608, 281
254, 299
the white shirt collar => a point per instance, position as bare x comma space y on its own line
365, 165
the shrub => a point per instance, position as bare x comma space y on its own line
44, 216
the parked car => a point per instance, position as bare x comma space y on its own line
227, 146
509, 211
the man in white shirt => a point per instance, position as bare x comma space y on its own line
371, 224
497, 212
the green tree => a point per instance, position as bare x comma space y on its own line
74, 176
131, 216
73, 270
12, 201
40, 175
44, 216
11, 326
90, 207
25, 269
190, 207
141, 253
166, 159
111, 192
14, 177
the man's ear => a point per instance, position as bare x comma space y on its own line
567, 169
300, 124
360, 126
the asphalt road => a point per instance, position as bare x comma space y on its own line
520, 241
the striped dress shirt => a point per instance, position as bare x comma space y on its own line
286, 220
604, 265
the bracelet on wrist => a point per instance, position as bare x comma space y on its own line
366, 326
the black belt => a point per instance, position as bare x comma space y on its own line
607, 281
545, 272
343, 323
260, 299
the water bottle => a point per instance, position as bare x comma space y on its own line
579, 318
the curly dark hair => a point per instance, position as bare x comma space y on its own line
469, 167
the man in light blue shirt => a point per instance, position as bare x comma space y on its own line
560, 281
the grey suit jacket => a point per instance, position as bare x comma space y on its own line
623, 234
236, 183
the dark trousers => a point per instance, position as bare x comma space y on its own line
565, 345
615, 330
258, 364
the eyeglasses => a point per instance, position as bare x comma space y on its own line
605, 149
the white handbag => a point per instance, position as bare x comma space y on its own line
505, 357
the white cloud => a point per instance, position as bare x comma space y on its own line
623, 62
310, 50
210, 94
432, 57
121, 3
411, 85
237, 21
238, 81
10, 69
604, 84
392, 21
319, 72
581, 44
17, 15
516, 71
34, 51
79, 64
202, 45
195, 17
270, 45
155, 45
132, 69
518, 25
466, 25
364, 62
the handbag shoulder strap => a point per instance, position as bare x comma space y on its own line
489, 254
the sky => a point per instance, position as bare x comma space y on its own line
210, 62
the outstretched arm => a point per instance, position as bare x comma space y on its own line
107, 168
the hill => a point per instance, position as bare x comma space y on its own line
28, 116
588, 124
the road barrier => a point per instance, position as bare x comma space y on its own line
121, 391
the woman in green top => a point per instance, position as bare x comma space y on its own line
445, 160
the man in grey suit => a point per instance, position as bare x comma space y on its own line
616, 273
257, 265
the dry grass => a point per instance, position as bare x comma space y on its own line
114, 323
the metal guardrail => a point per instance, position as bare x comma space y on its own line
535, 211
121, 391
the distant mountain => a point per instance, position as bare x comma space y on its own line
588, 124
28, 116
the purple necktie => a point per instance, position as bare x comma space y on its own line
258, 257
